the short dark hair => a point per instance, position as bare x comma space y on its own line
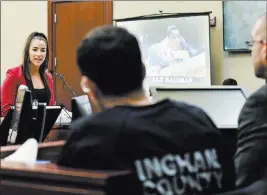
26, 54
229, 81
110, 56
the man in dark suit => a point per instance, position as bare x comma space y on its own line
251, 156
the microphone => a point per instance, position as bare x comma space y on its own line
61, 77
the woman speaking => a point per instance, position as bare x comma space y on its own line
32, 73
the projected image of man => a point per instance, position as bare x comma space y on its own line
169, 51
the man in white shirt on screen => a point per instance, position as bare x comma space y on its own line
170, 51
173, 51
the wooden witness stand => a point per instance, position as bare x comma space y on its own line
43, 179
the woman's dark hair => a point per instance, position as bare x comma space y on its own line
26, 56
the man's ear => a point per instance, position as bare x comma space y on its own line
143, 71
264, 54
90, 89
85, 84
265, 51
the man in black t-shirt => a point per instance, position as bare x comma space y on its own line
173, 147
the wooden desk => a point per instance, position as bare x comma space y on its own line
58, 134
18, 179
46, 151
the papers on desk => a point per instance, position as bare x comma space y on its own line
26, 153
34, 107
64, 118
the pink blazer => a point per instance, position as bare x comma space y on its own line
14, 78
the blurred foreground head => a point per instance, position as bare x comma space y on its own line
109, 59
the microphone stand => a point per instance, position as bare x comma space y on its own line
66, 111
61, 77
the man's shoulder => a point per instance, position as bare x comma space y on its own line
106, 119
182, 104
260, 94
254, 109
192, 116
191, 109
257, 99
115, 118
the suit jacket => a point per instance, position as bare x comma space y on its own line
257, 188
251, 155
14, 78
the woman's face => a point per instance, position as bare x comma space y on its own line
37, 51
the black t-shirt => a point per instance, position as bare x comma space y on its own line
172, 146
